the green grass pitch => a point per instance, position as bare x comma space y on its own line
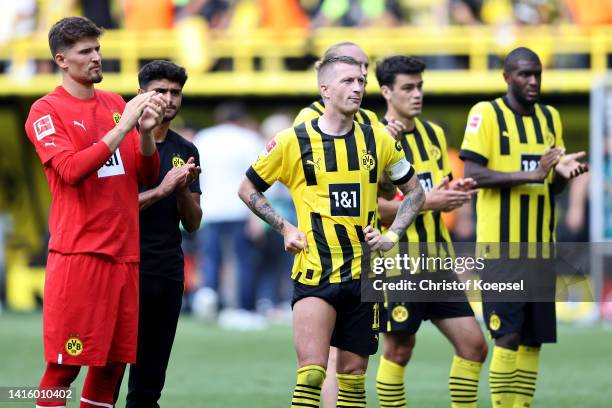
211, 367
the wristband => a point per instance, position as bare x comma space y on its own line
392, 236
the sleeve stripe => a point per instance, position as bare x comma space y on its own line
465, 154
404, 179
259, 183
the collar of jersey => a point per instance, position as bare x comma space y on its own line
410, 132
505, 101
169, 135
65, 92
405, 133
315, 126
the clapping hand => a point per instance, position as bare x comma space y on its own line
569, 166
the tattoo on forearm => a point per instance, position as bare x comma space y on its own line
408, 209
385, 185
262, 208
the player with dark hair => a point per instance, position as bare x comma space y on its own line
513, 147
424, 144
165, 71
331, 166
174, 199
94, 159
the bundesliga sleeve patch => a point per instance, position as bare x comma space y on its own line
474, 123
269, 147
43, 127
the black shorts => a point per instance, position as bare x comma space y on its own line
407, 316
534, 321
356, 328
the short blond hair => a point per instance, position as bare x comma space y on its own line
325, 64
332, 51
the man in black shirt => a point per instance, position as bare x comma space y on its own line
174, 199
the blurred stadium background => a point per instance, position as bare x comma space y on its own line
261, 53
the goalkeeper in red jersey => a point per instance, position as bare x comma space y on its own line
93, 158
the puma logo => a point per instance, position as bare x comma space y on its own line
314, 164
80, 124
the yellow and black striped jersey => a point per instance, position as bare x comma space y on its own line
333, 182
506, 141
316, 109
426, 149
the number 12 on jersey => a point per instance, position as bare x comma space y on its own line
530, 162
426, 181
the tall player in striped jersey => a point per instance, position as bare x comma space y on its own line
424, 145
513, 147
331, 166
329, 392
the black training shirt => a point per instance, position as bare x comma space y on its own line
160, 236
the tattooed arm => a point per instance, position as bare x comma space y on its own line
414, 198
260, 206
295, 240
386, 188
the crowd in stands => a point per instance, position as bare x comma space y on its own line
200, 19
25, 16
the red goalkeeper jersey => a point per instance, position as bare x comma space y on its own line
94, 191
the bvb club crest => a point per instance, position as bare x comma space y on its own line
434, 151
74, 346
368, 161
494, 322
177, 161
399, 313
116, 117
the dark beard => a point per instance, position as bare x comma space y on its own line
521, 99
167, 119
96, 79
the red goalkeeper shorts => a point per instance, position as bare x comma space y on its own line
90, 310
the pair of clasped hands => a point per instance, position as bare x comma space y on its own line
147, 109
180, 178
566, 165
447, 195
